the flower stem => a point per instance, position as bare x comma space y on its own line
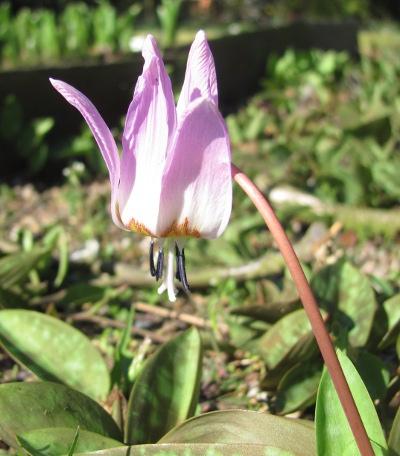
310, 305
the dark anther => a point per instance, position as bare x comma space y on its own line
177, 272
151, 258
160, 264
181, 269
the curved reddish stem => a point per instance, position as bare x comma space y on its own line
310, 305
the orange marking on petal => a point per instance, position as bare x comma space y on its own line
181, 230
133, 225
140, 228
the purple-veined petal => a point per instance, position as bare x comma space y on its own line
200, 78
149, 127
196, 196
102, 135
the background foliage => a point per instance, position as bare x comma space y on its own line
321, 139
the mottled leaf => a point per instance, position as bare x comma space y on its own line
281, 339
270, 311
333, 431
246, 427
166, 391
392, 310
298, 387
54, 351
394, 436
195, 449
50, 405
398, 346
244, 332
375, 375
57, 441
344, 291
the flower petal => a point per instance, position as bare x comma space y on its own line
149, 126
196, 198
200, 77
101, 133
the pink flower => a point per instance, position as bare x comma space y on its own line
173, 179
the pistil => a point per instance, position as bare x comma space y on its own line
168, 282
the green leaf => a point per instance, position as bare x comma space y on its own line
246, 427
54, 351
48, 36
63, 257
352, 449
394, 436
11, 300
392, 310
375, 375
384, 174
379, 127
123, 356
71, 450
244, 332
271, 311
58, 440
75, 23
15, 267
333, 431
81, 293
50, 405
166, 390
298, 387
282, 338
11, 118
344, 291
195, 449
398, 346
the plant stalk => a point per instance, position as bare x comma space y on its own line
310, 305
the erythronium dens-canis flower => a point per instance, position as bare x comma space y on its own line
173, 180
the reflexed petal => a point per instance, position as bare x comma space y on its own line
101, 133
149, 126
196, 197
200, 77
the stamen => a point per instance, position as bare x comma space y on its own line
181, 268
153, 271
160, 264
177, 272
